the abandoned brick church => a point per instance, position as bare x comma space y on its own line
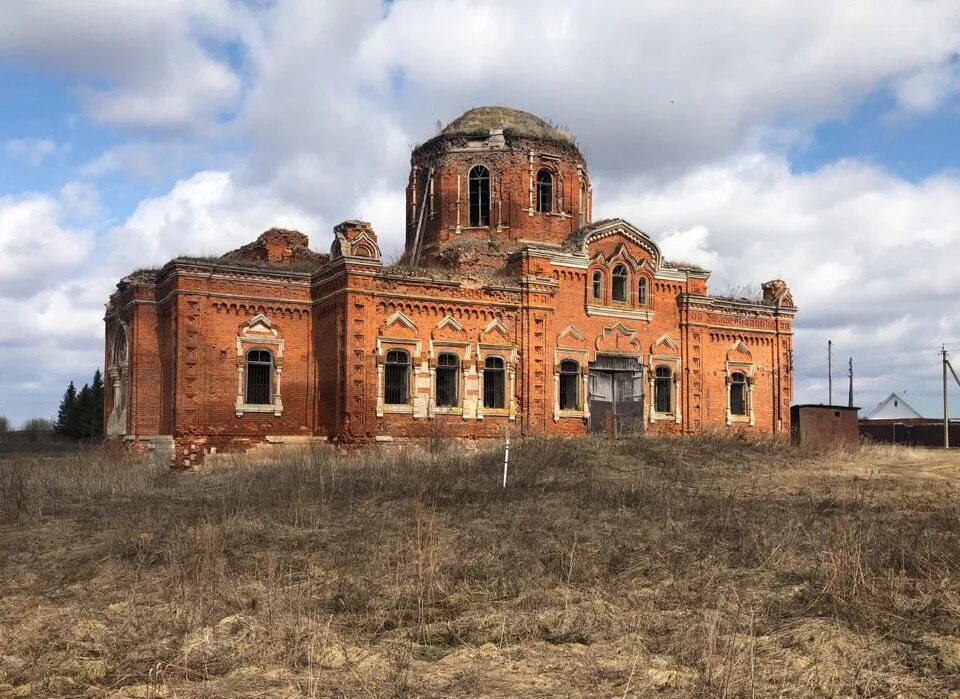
511, 307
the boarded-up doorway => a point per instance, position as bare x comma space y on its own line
616, 395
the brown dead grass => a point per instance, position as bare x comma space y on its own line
696, 567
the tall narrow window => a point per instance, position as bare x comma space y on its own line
619, 283
479, 196
396, 378
663, 390
544, 192
642, 291
598, 285
448, 375
494, 383
259, 377
738, 393
569, 385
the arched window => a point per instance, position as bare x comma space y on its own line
259, 377
479, 196
544, 192
494, 383
619, 283
598, 285
642, 291
396, 378
663, 390
738, 393
569, 385
448, 379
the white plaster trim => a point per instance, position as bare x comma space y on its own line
401, 318
628, 313
451, 322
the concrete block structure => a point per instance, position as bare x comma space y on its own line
511, 307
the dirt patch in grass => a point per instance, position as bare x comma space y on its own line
696, 567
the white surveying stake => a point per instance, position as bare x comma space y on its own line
506, 457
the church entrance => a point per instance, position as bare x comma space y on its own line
616, 395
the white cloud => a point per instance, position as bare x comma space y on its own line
207, 214
36, 243
869, 256
143, 64
148, 160
32, 151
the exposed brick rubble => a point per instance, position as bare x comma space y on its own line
278, 246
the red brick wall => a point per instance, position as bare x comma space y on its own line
510, 191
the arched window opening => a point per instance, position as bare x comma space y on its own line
448, 375
738, 393
544, 192
479, 196
259, 377
619, 283
598, 285
494, 383
396, 378
663, 390
569, 385
642, 291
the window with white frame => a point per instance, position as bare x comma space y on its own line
569, 385
259, 377
447, 380
396, 378
663, 390
479, 188
544, 191
494, 383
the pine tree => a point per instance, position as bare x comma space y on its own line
96, 418
84, 412
67, 413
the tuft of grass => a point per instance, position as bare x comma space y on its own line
705, 566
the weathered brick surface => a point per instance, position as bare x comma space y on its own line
520, 289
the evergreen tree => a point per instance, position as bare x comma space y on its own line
67, 414
84, 413
81, 412
96, 387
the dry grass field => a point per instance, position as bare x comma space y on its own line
657, 568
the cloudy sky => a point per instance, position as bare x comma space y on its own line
817, 141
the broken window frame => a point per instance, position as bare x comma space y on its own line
597, 285
738, 395
620, 284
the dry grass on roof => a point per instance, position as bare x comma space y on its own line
701, 567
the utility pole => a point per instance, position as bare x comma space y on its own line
850, 397
946, 414
829, 372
